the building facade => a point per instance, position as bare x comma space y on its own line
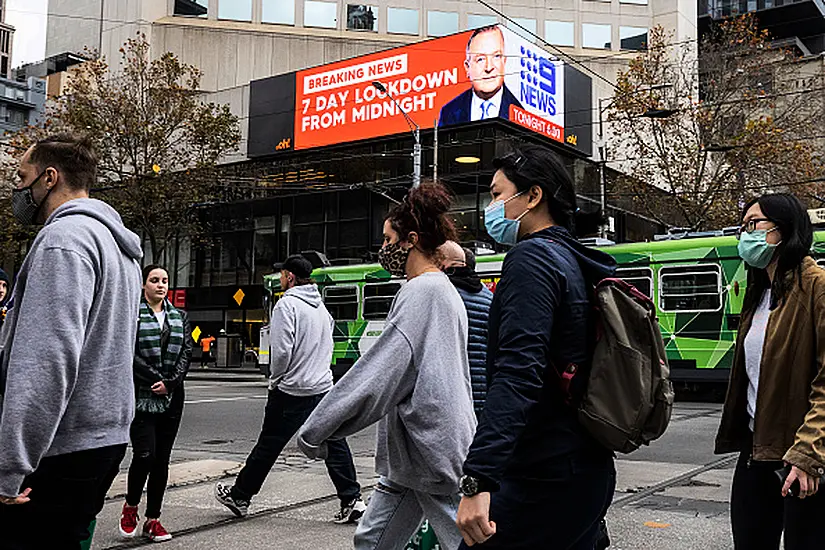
21, 103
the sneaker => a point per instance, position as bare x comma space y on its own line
350, 512
155, 531
223, 493
128, 521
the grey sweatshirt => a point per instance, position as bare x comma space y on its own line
67, 345
300, 341
416, 381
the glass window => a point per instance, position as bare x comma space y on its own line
529, 24
633, 38
320, 14
278, 11
441, 23
402, 21
196, 8
342, 302
378, 299
640, 277
560, 33
239, 10
362, 18
596, 36
690, 288
477, 21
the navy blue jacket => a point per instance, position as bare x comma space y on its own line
457, 111
539, 320
477, 299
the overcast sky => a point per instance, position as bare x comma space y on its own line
28, 17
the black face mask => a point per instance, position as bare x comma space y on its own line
23, 205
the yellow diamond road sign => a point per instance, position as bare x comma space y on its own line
196, 334
239, 296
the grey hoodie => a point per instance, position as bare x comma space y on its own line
300, 340
67, 346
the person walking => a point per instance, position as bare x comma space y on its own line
162, 356
774, 412
5, 293
300, 375
534, 478
477, 299
415, 381
66, 393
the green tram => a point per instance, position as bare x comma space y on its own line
697, 283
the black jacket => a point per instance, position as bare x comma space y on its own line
539, 321
147, 375
457, 111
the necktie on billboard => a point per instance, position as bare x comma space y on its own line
485, 109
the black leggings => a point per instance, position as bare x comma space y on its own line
153, 436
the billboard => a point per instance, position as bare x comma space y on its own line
458, 79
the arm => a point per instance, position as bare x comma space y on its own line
528, 296
185, 357
281, 339
44, 359
143, 371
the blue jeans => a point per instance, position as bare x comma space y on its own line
395, 512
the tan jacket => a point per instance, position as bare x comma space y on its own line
790, 404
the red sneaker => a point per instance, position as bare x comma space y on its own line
129, 521
155, 531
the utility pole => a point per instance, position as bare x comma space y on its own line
416, 131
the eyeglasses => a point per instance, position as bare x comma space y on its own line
750, 226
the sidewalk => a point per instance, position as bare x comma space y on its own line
214, 374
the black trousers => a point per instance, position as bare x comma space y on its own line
284, 415
67, 493
759, 512
560, 511
153, 436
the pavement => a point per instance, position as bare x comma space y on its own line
672, 495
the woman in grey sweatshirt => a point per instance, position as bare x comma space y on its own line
415, 381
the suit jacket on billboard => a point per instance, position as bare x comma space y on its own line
457, 111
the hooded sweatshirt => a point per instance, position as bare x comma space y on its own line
300, 343
415, 380
539, 321
68, 344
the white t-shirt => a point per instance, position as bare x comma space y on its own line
492, 106
161, 317
754, 344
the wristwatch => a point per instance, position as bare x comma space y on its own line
470, 486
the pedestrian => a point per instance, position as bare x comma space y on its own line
534, 478
415, 381
477, 299
5, 293
206, 349
300, 375
162, 356
66, 391
774, 412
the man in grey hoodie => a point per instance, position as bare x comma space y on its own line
300, 356
66, 351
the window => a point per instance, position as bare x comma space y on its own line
529, 24
402, 21
633, 38
640, 2
378, 299
441, 23
478, 21
342, 302
239, 10
192, 8
640, 277
281, 12
596, 36
690, 288
559, 33
362, 18
320, 14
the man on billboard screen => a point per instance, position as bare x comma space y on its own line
488, 96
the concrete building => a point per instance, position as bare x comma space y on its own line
6, 41
21, 103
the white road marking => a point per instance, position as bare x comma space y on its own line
221, 399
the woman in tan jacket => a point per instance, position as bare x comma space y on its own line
774, 413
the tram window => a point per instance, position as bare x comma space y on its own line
342, 302
378, 299
690, 288
640, 277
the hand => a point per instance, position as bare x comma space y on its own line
22, 498
159, 388
474, 519
808, 484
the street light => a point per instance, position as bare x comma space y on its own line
416, 131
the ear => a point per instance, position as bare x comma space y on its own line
534, 196
412, 238
50, 177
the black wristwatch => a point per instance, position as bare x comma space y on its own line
470, 486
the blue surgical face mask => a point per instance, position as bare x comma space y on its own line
499, 227
755, 249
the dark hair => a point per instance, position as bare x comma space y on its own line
149, 269
482, 30
469, 258
71, 155
791, 217
424, 211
